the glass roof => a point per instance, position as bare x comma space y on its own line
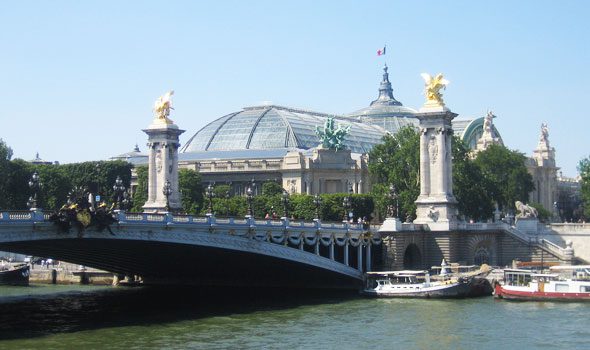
272, 127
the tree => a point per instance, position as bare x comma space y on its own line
470, 186
189, 184
271, 188
507, 174
397, 161
5, 156
584, 170
141, 192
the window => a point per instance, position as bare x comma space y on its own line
561, 287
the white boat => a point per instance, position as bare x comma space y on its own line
412, 284
563, 283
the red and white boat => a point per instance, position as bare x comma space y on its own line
563, 283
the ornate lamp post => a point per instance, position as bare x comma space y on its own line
97, 195
285, 202
210, 194
317, 201
119, 191
34, 185
167, 191
249, 195
393, 203
346, 204
227, 196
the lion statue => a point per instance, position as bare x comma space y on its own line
526, 211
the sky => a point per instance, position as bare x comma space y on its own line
79, 78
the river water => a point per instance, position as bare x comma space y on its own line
93, 317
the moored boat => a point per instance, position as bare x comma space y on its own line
563, 283
412, 284
14, 274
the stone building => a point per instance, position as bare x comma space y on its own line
276, 143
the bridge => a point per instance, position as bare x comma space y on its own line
164, 248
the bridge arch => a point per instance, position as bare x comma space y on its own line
482, 249
412, 257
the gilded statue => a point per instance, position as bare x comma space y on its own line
162, 107
432, 88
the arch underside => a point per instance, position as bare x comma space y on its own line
185, 264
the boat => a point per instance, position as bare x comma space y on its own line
562, 283
476, 275
413, 284
14, 274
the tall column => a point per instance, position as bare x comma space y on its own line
436, 206
163, 165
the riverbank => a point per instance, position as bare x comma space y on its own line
65, 273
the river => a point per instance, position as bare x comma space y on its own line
95, 317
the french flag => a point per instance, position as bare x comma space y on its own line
381, 52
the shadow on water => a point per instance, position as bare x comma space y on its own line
30, 316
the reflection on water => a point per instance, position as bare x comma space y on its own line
47, 317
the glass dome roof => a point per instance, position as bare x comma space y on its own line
273, 127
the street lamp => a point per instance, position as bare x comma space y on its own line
167, 191
34, 185
249, 195
346, 205
210, 194
97, 195
393, 202
317, 201
119, 191
285, 201
227, 203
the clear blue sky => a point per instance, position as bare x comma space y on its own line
79, 78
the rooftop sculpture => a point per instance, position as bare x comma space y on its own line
330, 136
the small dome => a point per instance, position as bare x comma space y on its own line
386, 111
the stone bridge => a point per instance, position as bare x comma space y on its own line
180, 249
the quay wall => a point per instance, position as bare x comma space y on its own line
69, 274
577, 233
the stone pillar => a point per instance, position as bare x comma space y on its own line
163, 165
346, 254
360, 255
436, 205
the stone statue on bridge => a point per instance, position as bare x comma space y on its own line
525, 210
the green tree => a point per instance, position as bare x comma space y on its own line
5, 156
271, 188
507, 174
397, 161
141, 192
189, 183
584, 171
470, 186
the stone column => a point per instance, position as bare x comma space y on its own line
436, 205
163, 165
